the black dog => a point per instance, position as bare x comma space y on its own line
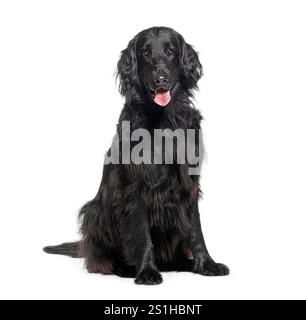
144, 218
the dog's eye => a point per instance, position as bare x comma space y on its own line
146, 54
170, 52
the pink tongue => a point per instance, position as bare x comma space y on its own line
162, 99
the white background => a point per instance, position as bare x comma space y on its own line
59, 106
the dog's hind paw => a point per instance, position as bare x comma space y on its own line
149, 276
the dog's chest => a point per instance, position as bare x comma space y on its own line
169, 207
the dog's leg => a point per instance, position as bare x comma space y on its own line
138, 246
203, 263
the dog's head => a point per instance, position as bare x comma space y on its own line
155, 64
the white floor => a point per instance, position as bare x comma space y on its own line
63, 278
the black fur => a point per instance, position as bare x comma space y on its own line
144, 218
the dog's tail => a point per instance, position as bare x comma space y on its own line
71, 249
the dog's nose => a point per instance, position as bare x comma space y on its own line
161, 80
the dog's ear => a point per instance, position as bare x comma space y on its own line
127, 68
190, 66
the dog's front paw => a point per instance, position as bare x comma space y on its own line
210, 268
149, 276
